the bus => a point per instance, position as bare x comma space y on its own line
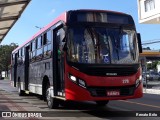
82, 55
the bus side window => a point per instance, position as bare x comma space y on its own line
39, 48
19, 53
30, 57
22, 53
47, 43
19, 56
33, 50
49, 37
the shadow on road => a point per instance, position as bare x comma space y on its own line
90, 109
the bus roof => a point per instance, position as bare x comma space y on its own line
62, 17
97, 10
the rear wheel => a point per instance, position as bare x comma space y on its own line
51, 102
102, 103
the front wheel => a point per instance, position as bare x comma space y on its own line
51, 102
102, 103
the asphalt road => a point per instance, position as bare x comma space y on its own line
147, 107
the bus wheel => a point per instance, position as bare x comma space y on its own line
102, 103
51, 102
20, 91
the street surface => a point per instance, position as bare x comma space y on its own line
31, 105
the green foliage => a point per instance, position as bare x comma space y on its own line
5, 56
152, 65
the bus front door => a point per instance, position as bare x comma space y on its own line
58, 63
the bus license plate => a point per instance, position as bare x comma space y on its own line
113, 93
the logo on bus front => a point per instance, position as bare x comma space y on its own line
112, 74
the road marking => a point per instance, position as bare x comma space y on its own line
140, 104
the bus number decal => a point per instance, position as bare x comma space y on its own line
125, 81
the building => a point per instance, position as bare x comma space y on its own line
149, 11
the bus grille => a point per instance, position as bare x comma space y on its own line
101, 91
105, 71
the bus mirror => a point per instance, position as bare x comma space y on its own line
139, 42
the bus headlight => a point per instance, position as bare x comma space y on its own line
73, 78
76, 80
138, 81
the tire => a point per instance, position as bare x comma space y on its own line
51, 102
102, 103
20, 91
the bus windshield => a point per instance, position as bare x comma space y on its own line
100, 45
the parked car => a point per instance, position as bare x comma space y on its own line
152, 76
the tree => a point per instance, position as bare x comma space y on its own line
5, 56
152, 65
147, 48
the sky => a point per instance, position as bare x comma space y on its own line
41, 12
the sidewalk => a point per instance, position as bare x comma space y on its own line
153, 87
151, 91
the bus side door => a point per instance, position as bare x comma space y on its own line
58, 60
15, 69
26, 69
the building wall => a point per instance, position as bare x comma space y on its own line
149, 11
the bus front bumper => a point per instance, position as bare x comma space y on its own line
77, 93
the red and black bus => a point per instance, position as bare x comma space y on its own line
83, 55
